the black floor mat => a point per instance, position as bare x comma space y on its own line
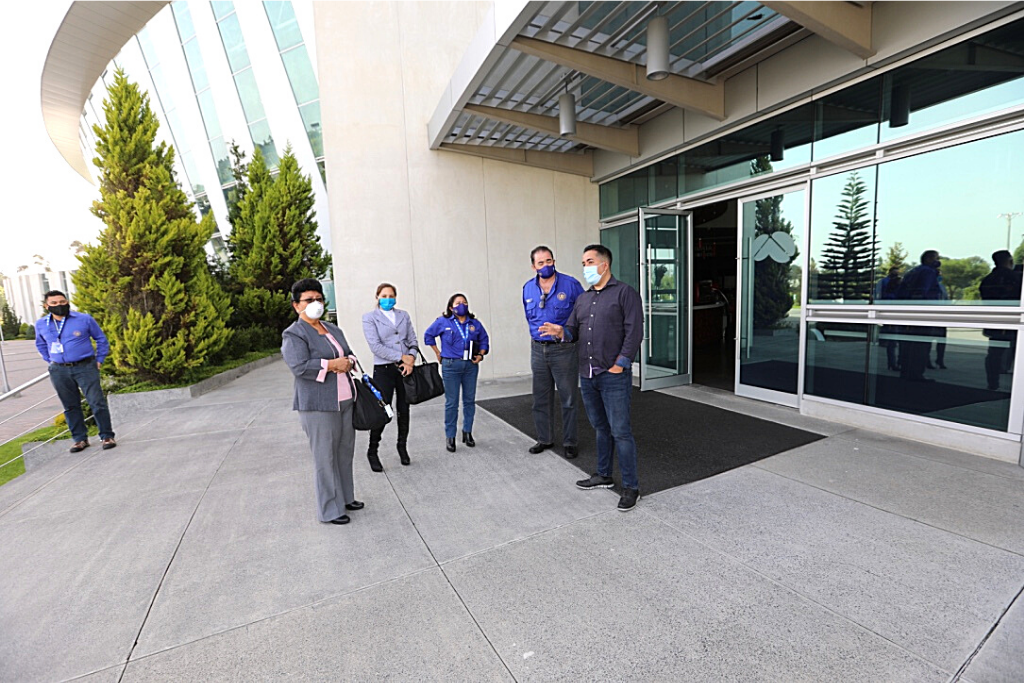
678, 441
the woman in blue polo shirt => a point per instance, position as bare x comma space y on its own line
464, 344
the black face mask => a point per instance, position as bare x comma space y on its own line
61, 310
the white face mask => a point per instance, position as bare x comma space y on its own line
313, 310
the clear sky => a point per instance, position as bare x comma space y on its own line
46, 203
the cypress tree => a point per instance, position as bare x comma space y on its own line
849, 254
147, 282
274, 242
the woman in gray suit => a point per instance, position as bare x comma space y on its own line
392, 340
320, 358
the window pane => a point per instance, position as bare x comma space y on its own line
148, 51
320, 164
261, 137
284, 24
311, 119
843, 246
249, 95
221, 9
209, 112
234, 43
849, 119
157, 74
301, 76
196, 65
887, 366
203, 204
223, 160
625, 193
183, 19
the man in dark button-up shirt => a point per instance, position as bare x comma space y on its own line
607, 323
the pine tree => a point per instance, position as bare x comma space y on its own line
147, 282
895, 257
773, 297
274, 242
9, 321
849, 254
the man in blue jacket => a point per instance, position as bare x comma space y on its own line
65, 341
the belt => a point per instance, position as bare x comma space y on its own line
552, 341
90, 359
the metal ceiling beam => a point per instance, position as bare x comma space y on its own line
679, 91
576, 164
625, 140
845, 24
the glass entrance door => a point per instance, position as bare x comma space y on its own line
667, 297
770, 287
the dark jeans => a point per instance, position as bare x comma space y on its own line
607, 398
458, 373
1001, 344
67, 380
388, 381
555, 365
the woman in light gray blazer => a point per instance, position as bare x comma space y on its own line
320, 358
392, 340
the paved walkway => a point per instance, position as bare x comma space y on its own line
191, 552
37, 405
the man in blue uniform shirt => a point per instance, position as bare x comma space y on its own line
64, 340
548, 297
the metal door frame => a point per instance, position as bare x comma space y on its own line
686, 243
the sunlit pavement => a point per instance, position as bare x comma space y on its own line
192, 552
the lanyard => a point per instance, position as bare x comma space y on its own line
463, 331
59, 326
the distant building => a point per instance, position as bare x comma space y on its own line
25, 290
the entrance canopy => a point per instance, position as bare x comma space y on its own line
504, 100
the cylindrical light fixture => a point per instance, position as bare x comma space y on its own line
657, 49
899, 106
567, 115
778, 145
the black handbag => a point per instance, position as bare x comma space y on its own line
423, 383
370, 411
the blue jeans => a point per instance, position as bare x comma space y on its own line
607, 398
67, 380
459, 374
555, 365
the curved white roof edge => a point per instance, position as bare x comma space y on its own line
90, 36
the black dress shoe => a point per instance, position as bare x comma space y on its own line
403, 454
540, 447
355, 505
571, 452
467, 438
450, 444
374, 462
341, 520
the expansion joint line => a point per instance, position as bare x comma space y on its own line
448, 580
970, 658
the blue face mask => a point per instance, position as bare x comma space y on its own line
546, 272
591, 275
387, 303
460, 309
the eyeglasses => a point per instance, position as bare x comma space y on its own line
309, 301
543, 299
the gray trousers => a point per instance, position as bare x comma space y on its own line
555, 365
332, 438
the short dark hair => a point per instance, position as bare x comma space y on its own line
929, 255
306, 284
448, 310
384, 285
54, 292
1001, 256
602, 251
540, 248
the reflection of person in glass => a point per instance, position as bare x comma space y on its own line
919, 285
1002, 284
886, 291
939, 332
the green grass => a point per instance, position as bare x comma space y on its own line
13, 449
198, 376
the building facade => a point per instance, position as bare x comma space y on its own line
24, 290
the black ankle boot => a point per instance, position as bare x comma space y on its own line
467, 438
450, 444
403, 454
374, 461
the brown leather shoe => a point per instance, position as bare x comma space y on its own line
79, 446
108, 444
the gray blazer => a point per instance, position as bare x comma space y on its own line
303, 348
389, 342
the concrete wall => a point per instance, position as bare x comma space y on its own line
808, 67
431, 222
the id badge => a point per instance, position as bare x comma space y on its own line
56, 347
465, 355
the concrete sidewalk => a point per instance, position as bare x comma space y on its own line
192, 552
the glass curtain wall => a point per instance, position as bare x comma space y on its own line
301, 76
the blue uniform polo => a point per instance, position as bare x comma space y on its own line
455, 335
75, 333
555, 307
